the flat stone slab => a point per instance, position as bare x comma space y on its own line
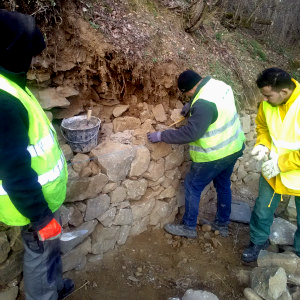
240, 212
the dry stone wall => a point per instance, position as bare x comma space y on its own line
124, 187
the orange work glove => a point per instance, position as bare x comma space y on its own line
50, 232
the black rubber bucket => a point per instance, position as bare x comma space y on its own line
81, 134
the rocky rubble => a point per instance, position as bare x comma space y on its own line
277, 275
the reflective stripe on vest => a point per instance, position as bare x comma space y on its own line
221, 129
285, 144
225, 135
218, 146
47, 177
285, 135
47, 159
42, 146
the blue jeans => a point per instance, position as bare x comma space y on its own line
200, 175
263, 215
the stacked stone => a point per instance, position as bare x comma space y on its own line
276, 277
124, 187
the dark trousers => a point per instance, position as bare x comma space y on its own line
200, 175
42, 267
263, 215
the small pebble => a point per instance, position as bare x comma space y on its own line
206, 228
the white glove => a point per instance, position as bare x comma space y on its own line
270, 168
260, 152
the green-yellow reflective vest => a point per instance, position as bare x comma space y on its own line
285, 135
46, 157
225, 135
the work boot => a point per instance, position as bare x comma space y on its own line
67, 289
181, 230
222, 228
251, 253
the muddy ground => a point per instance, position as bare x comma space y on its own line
156, 266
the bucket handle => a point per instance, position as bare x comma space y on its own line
80, 141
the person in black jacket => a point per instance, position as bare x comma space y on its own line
20, 41
216, 141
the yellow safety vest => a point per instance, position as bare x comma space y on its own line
285, 137
47, 158
225, 136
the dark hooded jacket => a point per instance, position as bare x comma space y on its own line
20, 41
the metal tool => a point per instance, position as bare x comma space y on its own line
68, 236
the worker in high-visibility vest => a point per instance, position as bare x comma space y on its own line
216, 141
33, 173
278, 147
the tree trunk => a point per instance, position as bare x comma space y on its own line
195, 15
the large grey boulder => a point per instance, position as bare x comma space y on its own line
251, 295
96, 207
104, 239
114, 159
126, 123
199, 295
4, 246
123, 217
85, 188
161, 211
135, 188
108, 217
240, 212
175, 158
9, 293
79, 189
139, 225
159, 113
156, 170
269, 282
288, 261
282, 232
143, 207
77, 256
11, 268
141, 162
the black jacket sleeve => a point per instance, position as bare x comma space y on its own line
203, 114
19, 180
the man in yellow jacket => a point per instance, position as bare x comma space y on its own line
278, 146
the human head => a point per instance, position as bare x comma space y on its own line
187, 80
276, 85
20, 41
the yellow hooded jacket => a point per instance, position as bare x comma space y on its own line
286, 162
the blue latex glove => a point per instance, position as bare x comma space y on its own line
185, 110
154, 137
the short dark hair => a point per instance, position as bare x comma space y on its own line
276, 78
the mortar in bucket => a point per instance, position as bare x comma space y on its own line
81, 133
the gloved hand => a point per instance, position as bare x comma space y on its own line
50, 232
185, 110
270, 168
154, 137
260, 152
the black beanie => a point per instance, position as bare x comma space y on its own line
20, 41
187, 80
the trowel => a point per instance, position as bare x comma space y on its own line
68, 236
178, 121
